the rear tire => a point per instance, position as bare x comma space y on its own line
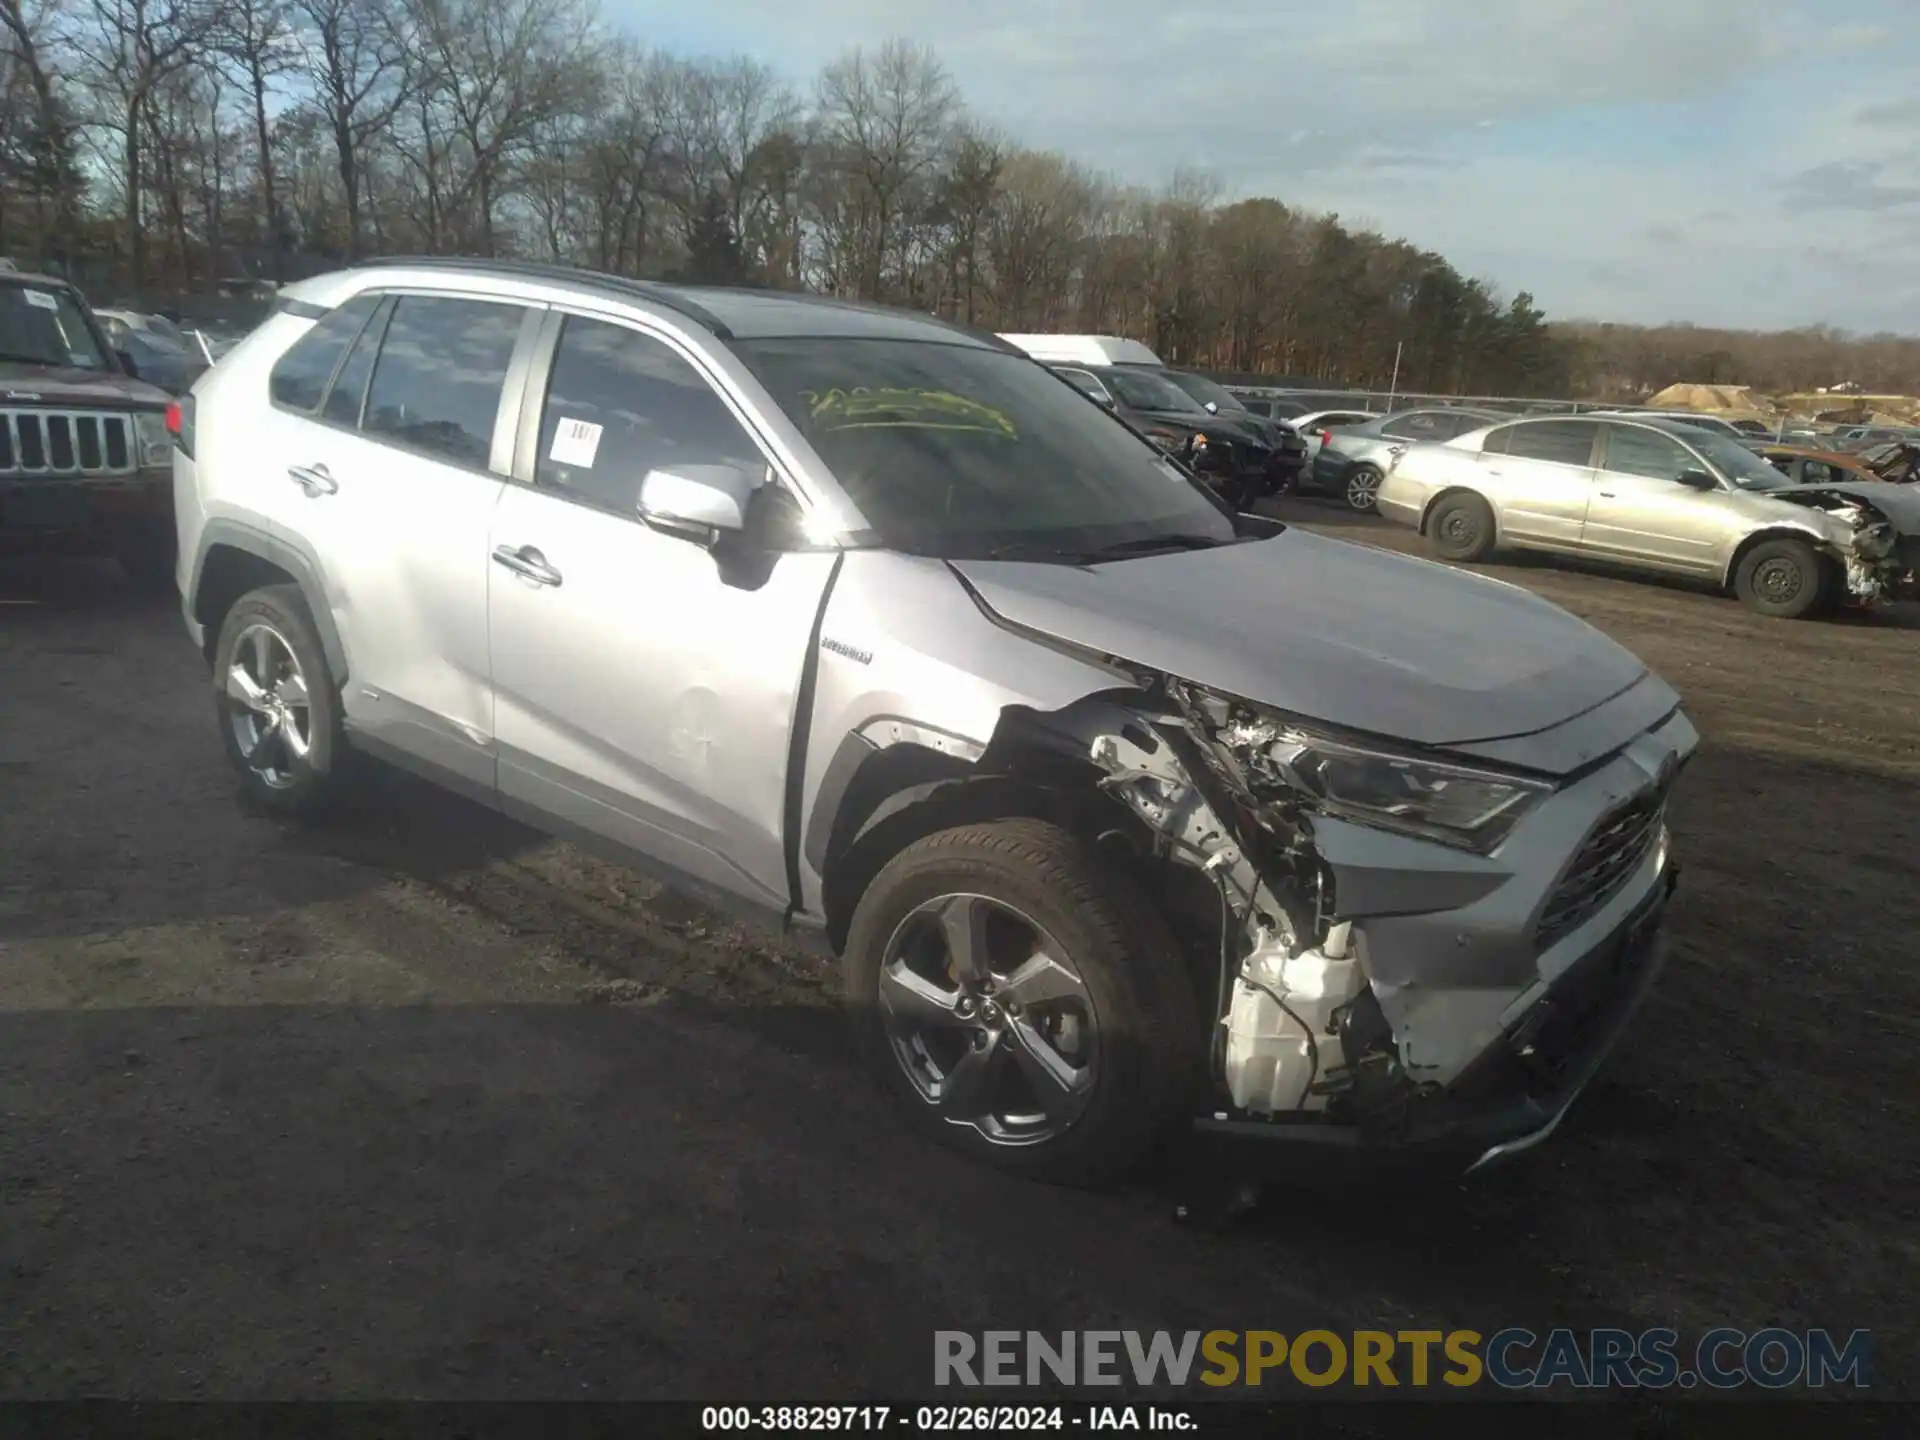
1065, 1040
1461, 528
278, 704
1361, 488
1785, 579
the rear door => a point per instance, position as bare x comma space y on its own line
390, 481
1539, 476
1642, 513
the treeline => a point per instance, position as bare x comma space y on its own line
174, 144
1618, 362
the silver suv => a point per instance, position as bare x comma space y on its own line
1119, 810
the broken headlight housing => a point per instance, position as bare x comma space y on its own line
1413, 794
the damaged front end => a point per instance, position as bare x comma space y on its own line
1416, 950
1881, 559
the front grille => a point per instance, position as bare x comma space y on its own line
66, 442
1610, 856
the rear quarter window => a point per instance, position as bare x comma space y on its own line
299, 378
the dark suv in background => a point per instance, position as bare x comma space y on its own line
85, 457
1245, 456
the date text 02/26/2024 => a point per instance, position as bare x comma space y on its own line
942, 1419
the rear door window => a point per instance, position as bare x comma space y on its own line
1420, 425
299, 378
442, 369
1633, 451
1566, 442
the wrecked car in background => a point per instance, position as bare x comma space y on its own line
1664, 497
1119, 810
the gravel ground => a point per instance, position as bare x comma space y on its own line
421, 1104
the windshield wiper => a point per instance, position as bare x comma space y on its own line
1119, 550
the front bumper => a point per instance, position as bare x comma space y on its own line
1516, 1093
61, 510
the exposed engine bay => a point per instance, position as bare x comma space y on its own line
1882, 562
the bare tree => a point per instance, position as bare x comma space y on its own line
128, 50
503, 69
259, 41
884, 121
358, 68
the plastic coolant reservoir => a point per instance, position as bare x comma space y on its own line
1269, 1062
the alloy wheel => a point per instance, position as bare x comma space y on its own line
988, 1019
1363, 486
268, 711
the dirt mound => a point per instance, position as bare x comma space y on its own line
1712, 400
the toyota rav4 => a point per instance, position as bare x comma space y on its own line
1120, 811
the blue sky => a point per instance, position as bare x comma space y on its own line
1730, 162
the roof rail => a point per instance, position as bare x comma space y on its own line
666, 296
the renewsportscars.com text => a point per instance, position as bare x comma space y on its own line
1510, 1359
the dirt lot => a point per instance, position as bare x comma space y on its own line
419, 1104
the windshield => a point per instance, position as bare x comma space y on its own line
43, 325
1147, 390
1735, 461
1205, 391
968, 453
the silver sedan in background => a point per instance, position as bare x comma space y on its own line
1662, 497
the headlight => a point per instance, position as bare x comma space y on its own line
1436, 800
155, 444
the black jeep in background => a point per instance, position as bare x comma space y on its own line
85, 459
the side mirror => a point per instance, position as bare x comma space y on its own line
1697, 479
1213, 407
127, 363
701, 503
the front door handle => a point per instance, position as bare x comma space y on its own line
526, 562
313, 479
1606, 494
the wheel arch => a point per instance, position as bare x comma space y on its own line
878, 799
1818, 543
235, 558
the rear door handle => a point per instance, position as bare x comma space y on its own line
1606, 495
526, 562
313, 479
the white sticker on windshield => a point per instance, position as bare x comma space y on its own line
576, 442
1173, 472
42, 299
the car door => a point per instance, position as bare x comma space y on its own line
646, 687
1538, 476
1642, 513
391, 480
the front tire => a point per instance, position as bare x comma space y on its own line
1020, 1004
1785, 579
278, 704
1361, 489
1461, 528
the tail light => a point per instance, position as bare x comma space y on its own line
1326, 437
180, 424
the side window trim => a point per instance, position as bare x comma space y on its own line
543, 349
376, 323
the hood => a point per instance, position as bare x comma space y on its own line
1364, 639
1899, 503
1226, 427
51, 386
